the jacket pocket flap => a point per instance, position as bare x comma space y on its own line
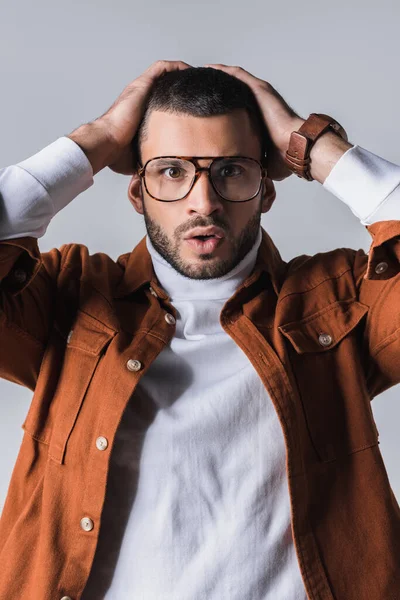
323, 330
67, 370
89, 334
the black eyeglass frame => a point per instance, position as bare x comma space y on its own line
198, 170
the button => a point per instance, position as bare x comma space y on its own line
170, 319
66, 598
133, 365
87, 524
325, 339
101, 443
19, 275
381, 267
70, 336
153, 292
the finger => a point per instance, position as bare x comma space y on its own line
160, 66
238, 72
156, 69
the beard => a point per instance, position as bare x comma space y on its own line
209, 267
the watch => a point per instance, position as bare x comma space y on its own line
297, 155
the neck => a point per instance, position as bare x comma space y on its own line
178, 286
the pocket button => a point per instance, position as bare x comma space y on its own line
170, 319
325, 339
154, 293
381, 267
133, 365
20, 275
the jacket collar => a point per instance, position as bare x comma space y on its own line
138, 268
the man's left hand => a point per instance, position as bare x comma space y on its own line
280, 119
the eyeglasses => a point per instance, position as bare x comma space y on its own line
171, 178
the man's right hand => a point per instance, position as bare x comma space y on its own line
107, 140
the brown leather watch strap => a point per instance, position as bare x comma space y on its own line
298, 153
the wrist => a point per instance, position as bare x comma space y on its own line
95, 141
325, 151
294, 125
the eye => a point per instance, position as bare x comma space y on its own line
231, 170
171, 171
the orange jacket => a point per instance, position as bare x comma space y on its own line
322, 332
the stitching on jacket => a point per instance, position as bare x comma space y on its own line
66, 265
303, 563
35, 437
386, 342
150, 332
88, 282
322, 311
315, 286
360, 448
104, 325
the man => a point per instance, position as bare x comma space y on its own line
201, 424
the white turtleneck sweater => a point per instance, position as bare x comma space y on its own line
198, 489
211, 517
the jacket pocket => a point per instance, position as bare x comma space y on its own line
68, 367
327, 360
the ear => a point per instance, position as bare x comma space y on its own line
268, 194
135, 194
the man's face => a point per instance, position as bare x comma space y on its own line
168, 223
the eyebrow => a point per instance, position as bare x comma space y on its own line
165, 161
176, 160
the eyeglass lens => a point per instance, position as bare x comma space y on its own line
234, 178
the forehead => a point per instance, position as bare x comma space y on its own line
185, 135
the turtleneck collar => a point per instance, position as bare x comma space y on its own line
180, 287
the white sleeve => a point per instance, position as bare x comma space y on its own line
368, 184
36, 189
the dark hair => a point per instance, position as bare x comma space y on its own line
200, 92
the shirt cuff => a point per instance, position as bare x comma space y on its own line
63, 169
365, 182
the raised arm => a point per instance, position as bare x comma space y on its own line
31, 193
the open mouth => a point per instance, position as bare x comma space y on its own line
205, 243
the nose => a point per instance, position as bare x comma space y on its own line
202, 197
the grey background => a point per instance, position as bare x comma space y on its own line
63, 64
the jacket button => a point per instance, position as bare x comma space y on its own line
133, 365
153, 292
87, 524
325, 339
101, 443
170, 319
381, 267
19, 275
